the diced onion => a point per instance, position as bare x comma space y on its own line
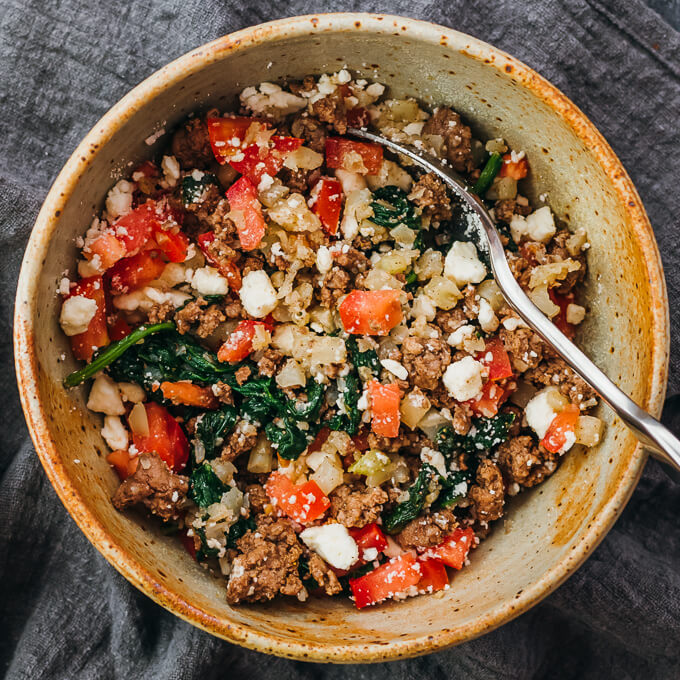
139, 423
431, 422
291, 375
540, 297
502, 188
261, 456
328, 476
429, 264
490, 291
588, 430
443, 292
413, 407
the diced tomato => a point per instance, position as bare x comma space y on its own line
361, 441
84, 344
188, 394
490, 399
303, 502
563, 301
370, 536
362, 157
371, 312
319, 440
389, 579
258, 161
166, 437
358, 117
148, 169
434, 576
226, 136
385, 400
122, 462
107, 248
240, 343
119, 328
453, 550
327, 197
560, 434
228, 269
135, 272
242, 196
515, 169
174, 244
188, 542
496, 360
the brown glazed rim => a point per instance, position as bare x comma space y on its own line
37, 250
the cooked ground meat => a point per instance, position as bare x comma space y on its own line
524, 347
242, 374
191, 145
520, 268
300, 179
353, 260
208, 318
428, 530
505, 208
425, 360
257, 498
323, 575
524, 462
558, 250
223, 392
407, 441
487, 496
242, 439
457, 137
556, 372
268, 563
155, 486
331, 110
335, 285
429, 193
311, 131
161, 312
269, 363
470, 302
356, 506
461, 419
451, 320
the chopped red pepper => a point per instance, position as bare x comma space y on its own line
490, 399
119, 328
453, 550
240, 343
563, 301
517, 169
362, 157
242, 196
174, 244
385, 400
392, 578
188, 394
258, 161
84, 344
371, 312
226, 136
228, 269
122, 462
496, 360
327, 203
166, 437
303, 502
368, 537
135, 272
434, 576
560, 435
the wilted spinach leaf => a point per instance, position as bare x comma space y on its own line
409, 509
289, 440
368, 358
205, 487
212, 428
242, 526
192, 189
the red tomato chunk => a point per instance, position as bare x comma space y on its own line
385, 400
395, 577
371, 312
226, 136
166, 438
228, 269
240, 343
362, 157
434, 576
303, 502
453, 550
84, 344
517, 169
561, 431
369, 537
327, 203
496, 360
242, 196
135, 272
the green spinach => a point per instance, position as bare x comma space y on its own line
212, 428
205, 487
241, 527
406, 511
192, 189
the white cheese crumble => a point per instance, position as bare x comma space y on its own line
257, 294
542, 408
539, 226
131, 392
395, 368
269, 97
208, 281
324, 260
463, 378
333, 543
171, 170
119, 199
435, 459
487, 317
462, 265
76, 314
114, 433
575, 314
105, 397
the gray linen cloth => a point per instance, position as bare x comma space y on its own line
64, 612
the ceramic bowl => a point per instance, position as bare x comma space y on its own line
549, 530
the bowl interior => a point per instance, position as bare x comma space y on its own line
547, 530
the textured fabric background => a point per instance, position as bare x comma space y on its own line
64, 612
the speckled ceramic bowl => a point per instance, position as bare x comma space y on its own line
550, 530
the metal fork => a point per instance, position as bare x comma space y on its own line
650, 432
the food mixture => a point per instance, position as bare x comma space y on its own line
305, 367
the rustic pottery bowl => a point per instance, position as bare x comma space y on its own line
548, 531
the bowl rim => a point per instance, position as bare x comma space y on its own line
99, 135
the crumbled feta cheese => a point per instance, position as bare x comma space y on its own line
541, 225
487, 317
466, 338
105, 397
64, 286
266, 182
76, 314
512, 323
569, 441
575, 314
350, 181
333, 543
463, 378
171, 170
375, 90
257, 294
208, 281
542, 408
119, 199
114, 433
362, 402
343, 76
395, 368
369, 554
153, 138
462, 265
435, 459
269, 97
424, 305
324, 259
131, 392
